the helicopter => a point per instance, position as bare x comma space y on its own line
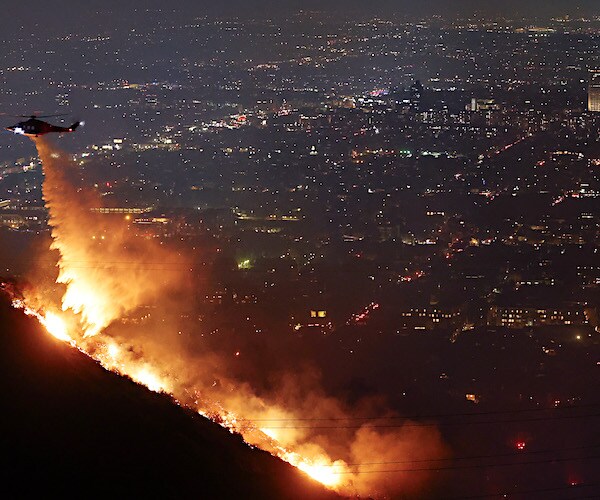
34, 127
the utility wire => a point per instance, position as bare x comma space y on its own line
505, 494
433, 415
471, 466
473, 457
432, 424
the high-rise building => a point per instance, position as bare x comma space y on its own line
416, 96
483, 105
594, 91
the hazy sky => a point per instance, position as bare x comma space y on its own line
69, 11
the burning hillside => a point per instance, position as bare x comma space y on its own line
72, 429
105, 272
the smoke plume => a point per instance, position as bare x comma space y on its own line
107, 272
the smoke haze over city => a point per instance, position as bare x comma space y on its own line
361, 238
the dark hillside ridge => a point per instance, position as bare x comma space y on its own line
71, 428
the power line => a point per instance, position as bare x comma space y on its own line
432, 424
527, 492
470, 466
433, 415
473, 457
94, 263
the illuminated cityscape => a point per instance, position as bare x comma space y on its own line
352, 216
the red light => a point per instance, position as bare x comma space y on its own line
520, 445
574, 479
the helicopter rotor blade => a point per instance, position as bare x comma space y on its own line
50, 116
34, 115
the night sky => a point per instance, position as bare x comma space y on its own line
39, 14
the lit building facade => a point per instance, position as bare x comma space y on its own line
594, 91
524, 317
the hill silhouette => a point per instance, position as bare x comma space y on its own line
71, 428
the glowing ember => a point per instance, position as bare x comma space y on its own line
272, 433
56, 327
152, 381
320, 473
113, 351
52, 322
325, 473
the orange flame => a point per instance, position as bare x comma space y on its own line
321, 468
56, 327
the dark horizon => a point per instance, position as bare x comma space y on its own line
39, 12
